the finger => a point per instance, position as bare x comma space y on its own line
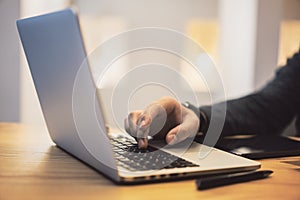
139, 124
154, 119
131, 122
143, 127
176, 135
171, 136
188, 128
149, 120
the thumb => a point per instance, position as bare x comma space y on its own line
176, 135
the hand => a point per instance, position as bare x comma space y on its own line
165, 119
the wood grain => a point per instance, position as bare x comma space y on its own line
32, 167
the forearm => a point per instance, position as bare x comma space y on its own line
252, 114
267, 111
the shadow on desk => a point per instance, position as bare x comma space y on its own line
60, 165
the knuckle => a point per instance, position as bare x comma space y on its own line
131, 115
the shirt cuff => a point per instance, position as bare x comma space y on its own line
202, 116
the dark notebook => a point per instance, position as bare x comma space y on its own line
258, 147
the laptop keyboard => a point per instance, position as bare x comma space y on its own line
130, 157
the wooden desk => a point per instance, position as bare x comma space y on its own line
31, 167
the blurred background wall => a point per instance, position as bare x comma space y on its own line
247, 39
9, 62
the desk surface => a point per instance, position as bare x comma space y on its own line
31, 167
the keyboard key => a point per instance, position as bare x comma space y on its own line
130, 157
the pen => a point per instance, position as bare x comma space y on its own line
226, 179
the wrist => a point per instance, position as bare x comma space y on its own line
203, 122
202, 117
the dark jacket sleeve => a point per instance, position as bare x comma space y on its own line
267, 111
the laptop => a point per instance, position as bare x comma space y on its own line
55, 54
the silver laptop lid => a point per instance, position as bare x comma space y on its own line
55, 53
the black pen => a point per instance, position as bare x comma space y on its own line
226, 179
